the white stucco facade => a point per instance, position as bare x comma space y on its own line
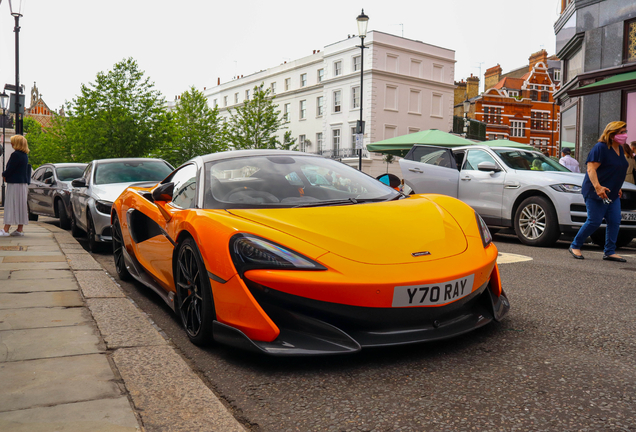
407, 87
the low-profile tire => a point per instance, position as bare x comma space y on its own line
94, 245
75, 230
32, 216
536, 222
623, 239
65, 221
195, 304
118, 251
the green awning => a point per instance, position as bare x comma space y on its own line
568, 144
400, 146
616, 82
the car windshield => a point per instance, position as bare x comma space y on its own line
131, 171
66, 174
288, 181
529, 161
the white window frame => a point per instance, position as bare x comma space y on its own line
247, 94
557, 74
355, 103
286, 112
303, 80
215, 104
302, 143
357, 63
303, 109
287, 84
236, 96
320, 75
272, 86
224, 100
319, 141
337, 101
353, 137
335, 140
320, 106
337, 68
517, 128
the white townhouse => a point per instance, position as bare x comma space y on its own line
408, 86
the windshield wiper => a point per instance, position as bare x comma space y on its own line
329, 203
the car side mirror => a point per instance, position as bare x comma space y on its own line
488, 166
163, 192
78, 183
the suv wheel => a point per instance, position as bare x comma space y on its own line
536, 222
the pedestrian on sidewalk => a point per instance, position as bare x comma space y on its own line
629, 155
606, 169
568, 161
16, 176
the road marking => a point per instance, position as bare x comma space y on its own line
508, 258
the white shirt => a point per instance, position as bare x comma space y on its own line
570, 163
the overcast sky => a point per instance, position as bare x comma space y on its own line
180, 43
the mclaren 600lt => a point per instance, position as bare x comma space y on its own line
288, 253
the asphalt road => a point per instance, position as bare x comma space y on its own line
562, 360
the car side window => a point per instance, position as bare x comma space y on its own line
432, 156
48, 173
475, 157
37, 175
185, 187
87, 173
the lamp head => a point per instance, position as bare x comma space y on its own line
362, 20
466, 106
15, 6
4, 101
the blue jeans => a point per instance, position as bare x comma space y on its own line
596, 211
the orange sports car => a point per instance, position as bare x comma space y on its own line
288, 253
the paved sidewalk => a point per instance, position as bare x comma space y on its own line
77, 355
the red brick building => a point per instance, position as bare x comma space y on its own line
39, 110
520, 107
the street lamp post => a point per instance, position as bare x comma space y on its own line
17, 13
362, 20
4, 102
466, 109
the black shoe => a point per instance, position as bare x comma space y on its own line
577, 256
616, 259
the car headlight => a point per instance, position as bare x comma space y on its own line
565, 187
486, 237
103, 206
250, 252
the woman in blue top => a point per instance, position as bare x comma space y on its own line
606, 168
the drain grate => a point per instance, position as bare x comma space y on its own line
13, 248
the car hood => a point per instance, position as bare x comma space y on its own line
377, 233
546, 178
110, 192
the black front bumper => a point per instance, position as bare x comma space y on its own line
311, 327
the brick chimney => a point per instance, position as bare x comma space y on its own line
218, 81
541, 56
492, 76
460, 92
472, 86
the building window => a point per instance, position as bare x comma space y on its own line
321, 74
534, 95
336, 141
273, 87
247, 95
336, 101
557, 75
303, 80
235, 98
286, 112
513, 93
319, 106
319, 141
224, 100
357, 63
518, 129
353, 138
545, 96
574, 65
215, 104
355, 97
630, 41
287, 84
303, 109
302, 143
337, 68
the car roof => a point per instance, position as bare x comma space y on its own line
102, 161
246, 153
67, 164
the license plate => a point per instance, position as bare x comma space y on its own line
432, 294
628, 216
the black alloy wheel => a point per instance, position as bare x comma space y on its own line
75, 230
195, 305
93, 244
65, 221
118, 251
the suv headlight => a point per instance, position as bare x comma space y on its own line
486, 237
250, 252
103, 206
565, 187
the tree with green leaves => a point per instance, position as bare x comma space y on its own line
197, 129
389, 159
119, 115
255, 124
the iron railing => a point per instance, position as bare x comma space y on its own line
341, 153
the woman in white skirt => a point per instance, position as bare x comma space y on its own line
16, 176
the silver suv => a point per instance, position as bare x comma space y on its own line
512, 188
